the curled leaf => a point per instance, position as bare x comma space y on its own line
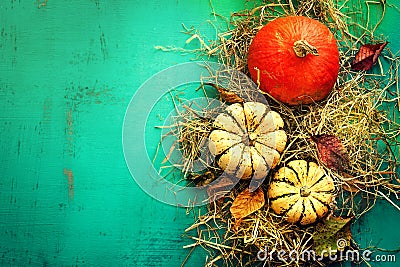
228, 96
246, 203
331, 152
367, 56
332, 235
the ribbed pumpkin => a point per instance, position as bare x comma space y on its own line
295, 59
247, 140
301, 191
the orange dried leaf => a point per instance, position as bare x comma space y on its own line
331, 152
228, 96
246, 203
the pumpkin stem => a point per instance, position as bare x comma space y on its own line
302, 48
305, 191
248, 139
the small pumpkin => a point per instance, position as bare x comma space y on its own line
295, 59
301, 191
247, 140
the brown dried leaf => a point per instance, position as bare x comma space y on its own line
228, 96
247, 202
331, 152
367, 56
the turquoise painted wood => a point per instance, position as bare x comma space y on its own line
68, 70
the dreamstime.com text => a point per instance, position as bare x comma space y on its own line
334, 255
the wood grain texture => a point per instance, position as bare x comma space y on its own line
68, 70
67, 73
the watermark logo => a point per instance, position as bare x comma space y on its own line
342, 243
136, 118
339, 254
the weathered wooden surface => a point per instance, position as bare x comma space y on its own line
67, 72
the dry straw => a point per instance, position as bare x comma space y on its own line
361, 111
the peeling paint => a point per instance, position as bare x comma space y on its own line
41, 3
69, 131
70, 179
47, 110
103, 45
77, 95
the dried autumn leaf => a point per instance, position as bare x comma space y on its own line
332, 235
246, 203
228, 96
367, 56
331, 152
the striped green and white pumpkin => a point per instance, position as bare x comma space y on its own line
301, 191
247, 140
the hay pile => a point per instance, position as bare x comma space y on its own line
361, 111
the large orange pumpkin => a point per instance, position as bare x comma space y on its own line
295, 59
